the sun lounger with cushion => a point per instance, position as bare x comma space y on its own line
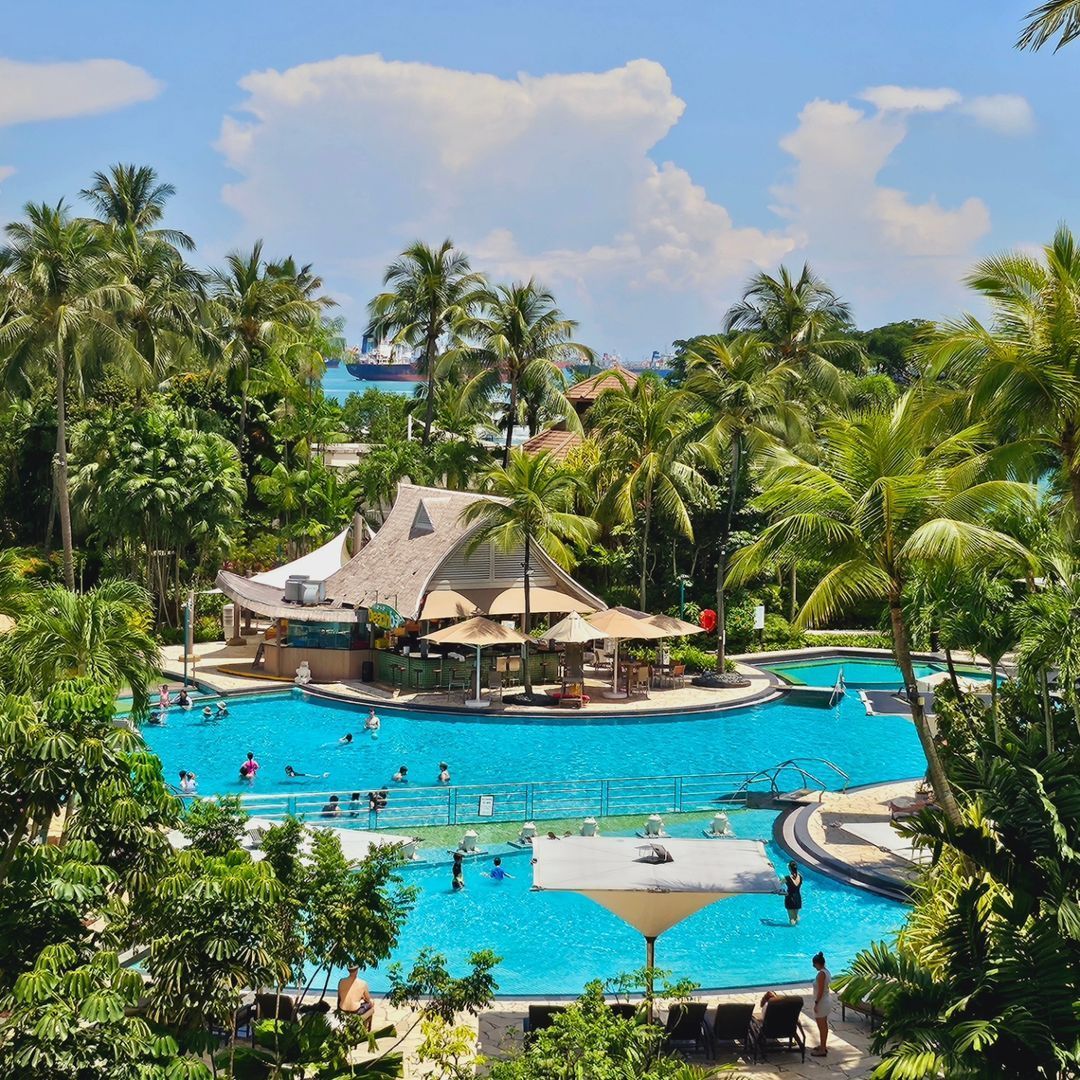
685, 1028
731, 1024
779, 1028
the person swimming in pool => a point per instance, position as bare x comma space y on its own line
372, 723
497, 873
207, 712
401, 776
345, 740
444, 773
249, 768
457, 875
292, 774
183, 700
163, 697
222, 709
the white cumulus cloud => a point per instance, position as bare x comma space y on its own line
51, 91
5, 172
911, 98
346, 160
1007, 114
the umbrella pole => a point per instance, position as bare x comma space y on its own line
650, 963
477, 672
615, 669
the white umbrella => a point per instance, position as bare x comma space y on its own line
478, 632
622, 874
574, 629
624, 622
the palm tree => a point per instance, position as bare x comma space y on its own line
103, 634
1054, 19
132, 197
1024, 368
433, 295
525, 335
749, 406
805, 323
647, 437
894, 489
61, 293
257, 308
532, 505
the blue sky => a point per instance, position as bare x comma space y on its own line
641, 159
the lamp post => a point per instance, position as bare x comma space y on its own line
189, 606
683, 581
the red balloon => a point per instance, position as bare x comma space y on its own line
707, 620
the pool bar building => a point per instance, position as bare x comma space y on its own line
365, 619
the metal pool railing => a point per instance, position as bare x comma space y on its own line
408, 806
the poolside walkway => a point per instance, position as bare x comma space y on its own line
500, 1030
817, 836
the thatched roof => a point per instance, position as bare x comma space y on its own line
397, 567
557, 443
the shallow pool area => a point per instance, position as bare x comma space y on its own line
553, 943
304, 732
860, 673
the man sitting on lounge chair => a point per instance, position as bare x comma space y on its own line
354, 996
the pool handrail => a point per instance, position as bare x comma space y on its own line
411, 805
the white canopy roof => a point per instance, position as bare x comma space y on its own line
967, 686
652, 896
318, 564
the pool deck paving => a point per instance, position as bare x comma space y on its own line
216, 665
499, 1031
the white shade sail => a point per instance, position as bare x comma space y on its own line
652, 896
318, 564
542, 601
573, 629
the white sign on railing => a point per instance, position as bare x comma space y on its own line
485, 806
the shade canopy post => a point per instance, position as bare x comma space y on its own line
650, 963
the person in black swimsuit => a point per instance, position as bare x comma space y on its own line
793, 893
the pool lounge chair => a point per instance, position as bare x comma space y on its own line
779, 1028
540, 1017
731, 1024
685, 1028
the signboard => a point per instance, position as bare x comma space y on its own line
385, 617
759, 617
486, 807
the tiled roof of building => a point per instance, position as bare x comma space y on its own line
557, 443
591, 388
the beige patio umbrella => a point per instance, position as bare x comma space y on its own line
541, 601
652, 885
623, 622
477, 632
446, 604
674, 627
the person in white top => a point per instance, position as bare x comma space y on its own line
822, 1003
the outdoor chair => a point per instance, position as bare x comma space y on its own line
495, 684
676, 676
685, 1028
639, 684
540, 1017
779, 1028
863, 1008
513, 670
732, 1025
624, 1010
272, 1007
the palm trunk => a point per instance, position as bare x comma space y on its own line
793, 582
721, 559
1048, 716
526, 675
902, 649
993, 701
952, 671
511, 415
1072, 467
429, 413
645, 553
63, 501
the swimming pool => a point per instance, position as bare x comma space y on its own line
292, 729
860, 673
553, 943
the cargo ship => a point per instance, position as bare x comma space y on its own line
379, 361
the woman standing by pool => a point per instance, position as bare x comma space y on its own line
822, 1003
793, 897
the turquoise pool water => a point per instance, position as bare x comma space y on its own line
289, 729
859, 674
553, 943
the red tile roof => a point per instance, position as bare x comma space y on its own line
557, 443
591, 388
